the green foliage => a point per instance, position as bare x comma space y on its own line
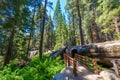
37, 69
61, 33
108, 30
57, 46
109, 10
57, 12
117, 36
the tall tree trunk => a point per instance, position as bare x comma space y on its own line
48, 36
42, 31
2, 47
95, 30
80, 24
52, 39
30, 37
117, 29
0, 51
91, 37
73, 24
29, 41
9, 50
47, 44
70, 35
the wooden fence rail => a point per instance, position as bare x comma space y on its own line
69, 61
87, 62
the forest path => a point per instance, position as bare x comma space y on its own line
82, 74
85, 74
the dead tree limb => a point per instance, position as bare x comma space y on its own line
62, 49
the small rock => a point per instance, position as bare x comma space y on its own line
108, 75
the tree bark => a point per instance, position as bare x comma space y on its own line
104, 52
95, 30
108, 49
80, 24
42, 31
47, 44
9, 50
73, 24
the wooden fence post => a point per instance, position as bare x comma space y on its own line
85, 61
74, 67
65, 59
95, 66
68, 61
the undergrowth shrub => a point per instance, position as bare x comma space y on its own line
37, 69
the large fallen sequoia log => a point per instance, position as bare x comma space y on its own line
108, 49
104, 51
62, 50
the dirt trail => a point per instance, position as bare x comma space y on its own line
85, 74
82, 74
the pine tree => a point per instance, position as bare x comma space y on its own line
61, 32
56, 12
108, 15
13, 22
74, 7
42, 31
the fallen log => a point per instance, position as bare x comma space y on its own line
62, 49
109, 49
104, 51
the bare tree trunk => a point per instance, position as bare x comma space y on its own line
29, 41
116, 25
42, 31
47, 45
9, 50
73, 24
91, 37
2, 46
95, 30
80, 24
30, 37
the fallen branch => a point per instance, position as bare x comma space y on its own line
62, 49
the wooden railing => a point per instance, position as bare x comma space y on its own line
69, 61
85, 61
